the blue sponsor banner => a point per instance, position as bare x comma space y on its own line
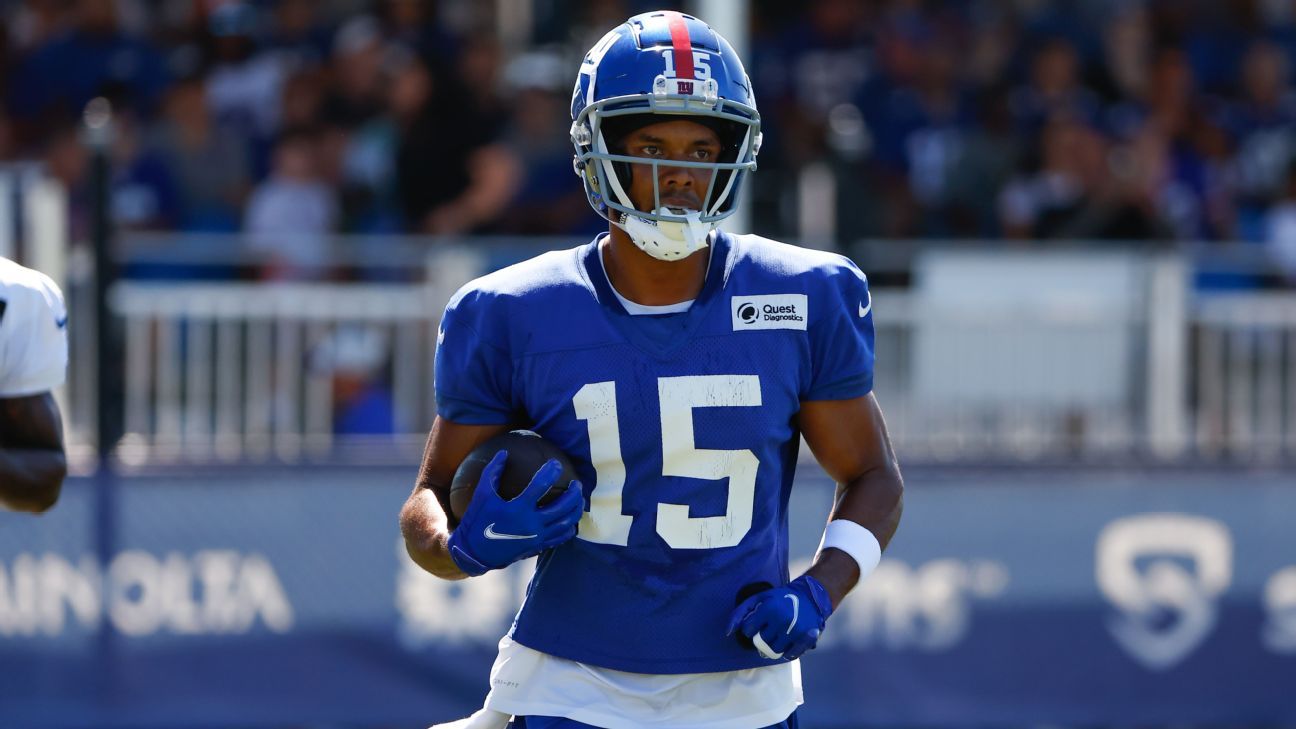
284, 597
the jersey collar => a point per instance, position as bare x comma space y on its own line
712, 285
717, 269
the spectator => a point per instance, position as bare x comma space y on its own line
546, 202
1262, 122
1215, 36
452, 174
298, 37
1075, 194
479, 68
370, 158
991, 44
1126, 55
33, 23
210, 163
991, 152
920, 131
67, 161
243, 86
1054, 89
919, 111
94, 57
412, 24
807, 70
145, 195
1216, 150
302, 100
1179, 118
291, 215
359, 50
1280, 236
356, 359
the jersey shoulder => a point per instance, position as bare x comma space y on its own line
764, 266
511, 307
539, 276
33, 331
754, 254
28, 295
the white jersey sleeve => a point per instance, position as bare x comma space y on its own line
33, 332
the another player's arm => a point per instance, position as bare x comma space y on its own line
425, 518
849, 439
32, 460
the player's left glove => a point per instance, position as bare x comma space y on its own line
784, 622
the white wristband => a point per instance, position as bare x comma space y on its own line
854, 540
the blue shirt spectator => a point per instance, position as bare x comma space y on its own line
93, 58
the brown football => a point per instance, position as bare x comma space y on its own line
527, 452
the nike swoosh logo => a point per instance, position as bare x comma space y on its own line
864, 310
60, 323
796, 610
492, 534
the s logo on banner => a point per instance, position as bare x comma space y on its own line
1279, 633
1165, 574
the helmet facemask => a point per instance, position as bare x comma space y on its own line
662, 232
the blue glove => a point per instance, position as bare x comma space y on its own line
495, 533
784, 622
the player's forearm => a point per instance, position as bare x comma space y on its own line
425, 531
30, 479
875, 501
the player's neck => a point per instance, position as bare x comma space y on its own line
646, 280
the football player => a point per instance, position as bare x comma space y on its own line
679, 366
33, 358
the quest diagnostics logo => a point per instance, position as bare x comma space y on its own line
775, 311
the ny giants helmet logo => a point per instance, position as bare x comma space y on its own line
1165, 574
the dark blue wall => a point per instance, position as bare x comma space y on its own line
283, 597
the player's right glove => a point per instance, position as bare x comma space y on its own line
495, 533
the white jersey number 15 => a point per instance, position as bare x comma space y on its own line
604, 523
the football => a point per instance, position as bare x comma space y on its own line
745, 592
527, 452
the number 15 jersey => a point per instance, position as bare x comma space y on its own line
683, 428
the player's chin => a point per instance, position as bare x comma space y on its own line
682, 205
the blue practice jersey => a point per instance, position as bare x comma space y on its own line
683, 428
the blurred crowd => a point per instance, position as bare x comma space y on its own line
1159, 120
290, 120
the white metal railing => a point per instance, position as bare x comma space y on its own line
1016, 355
247, 371
240, 370
1244, 380
221, 370
949, 409
231, 370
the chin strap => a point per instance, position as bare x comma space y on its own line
668, 240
